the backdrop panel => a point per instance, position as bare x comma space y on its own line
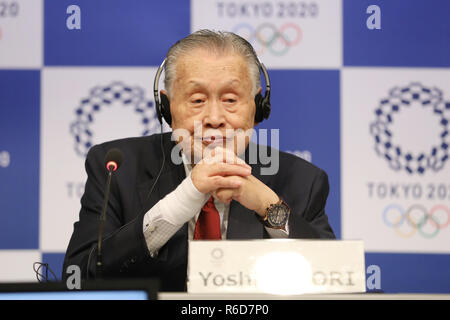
285, 34
414, 33
395, 150
19, 169
117, 32
21, 36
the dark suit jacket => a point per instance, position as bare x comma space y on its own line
303, 186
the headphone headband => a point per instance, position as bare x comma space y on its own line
156, 89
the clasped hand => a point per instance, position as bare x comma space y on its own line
227, 177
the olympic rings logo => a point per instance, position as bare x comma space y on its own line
416, 219
267, 36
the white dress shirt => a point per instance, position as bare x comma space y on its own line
184, 204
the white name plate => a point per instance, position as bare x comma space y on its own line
276, 266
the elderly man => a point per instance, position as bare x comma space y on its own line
211, 80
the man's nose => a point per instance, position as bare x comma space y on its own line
214, 115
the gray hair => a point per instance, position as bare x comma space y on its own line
217, 41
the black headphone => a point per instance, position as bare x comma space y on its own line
162, 103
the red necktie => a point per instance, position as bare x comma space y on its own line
208, 223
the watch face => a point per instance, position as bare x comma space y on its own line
278, 215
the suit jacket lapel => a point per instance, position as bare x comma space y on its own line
171, 176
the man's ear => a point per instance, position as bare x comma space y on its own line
164, 92
259, 90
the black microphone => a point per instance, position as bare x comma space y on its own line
113, 160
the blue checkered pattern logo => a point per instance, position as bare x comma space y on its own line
401, 99
101, 98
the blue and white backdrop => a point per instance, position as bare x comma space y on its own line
359, 88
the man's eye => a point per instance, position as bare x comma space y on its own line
229, 100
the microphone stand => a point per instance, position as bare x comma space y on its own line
99, 265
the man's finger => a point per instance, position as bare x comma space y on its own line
225, 169
224, 195
220, 154
220, 182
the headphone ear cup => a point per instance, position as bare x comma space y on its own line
158, 110
165, 109
265, 106
258, 105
